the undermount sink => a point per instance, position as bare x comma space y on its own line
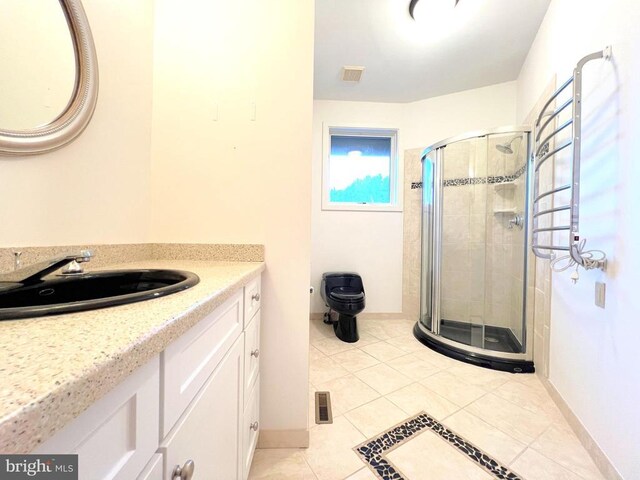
89, 291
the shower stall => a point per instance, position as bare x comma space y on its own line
475, 249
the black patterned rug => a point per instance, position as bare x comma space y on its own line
373, 451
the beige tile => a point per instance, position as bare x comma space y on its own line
484, 436
534, 466
331, 346
375, 417
415, 398
382, 351
383, 378
324, 369
413, 367
365, 339
481, 377
319, 330
534, 399
435, 358
280, 464
564, 448
330, 453
406, 343
427, 452
347, 393
530, 379
363, 474
315, 354
354, 360
376, 330
513, 420
453, 388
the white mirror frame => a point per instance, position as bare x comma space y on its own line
74, 119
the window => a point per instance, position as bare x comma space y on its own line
360, 169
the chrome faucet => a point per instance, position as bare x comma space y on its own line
35, 272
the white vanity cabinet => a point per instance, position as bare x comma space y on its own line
208, 433
193, 407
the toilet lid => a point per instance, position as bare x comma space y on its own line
346, 294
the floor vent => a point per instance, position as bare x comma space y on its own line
323, 407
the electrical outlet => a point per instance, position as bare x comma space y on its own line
600, 294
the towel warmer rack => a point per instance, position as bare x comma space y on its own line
543, 151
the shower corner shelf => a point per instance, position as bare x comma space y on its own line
504, 186
546, 147
505, 210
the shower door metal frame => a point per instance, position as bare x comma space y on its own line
434, 256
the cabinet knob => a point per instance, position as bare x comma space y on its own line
254, 426
256, 297
185, 472
255, 353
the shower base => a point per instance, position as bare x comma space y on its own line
499, 339
480, 360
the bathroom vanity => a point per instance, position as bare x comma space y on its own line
164, 389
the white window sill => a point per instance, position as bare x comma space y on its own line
358, 207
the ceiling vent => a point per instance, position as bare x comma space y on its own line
352, 74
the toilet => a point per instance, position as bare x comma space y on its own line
343, 293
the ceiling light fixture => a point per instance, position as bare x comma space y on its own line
434, 5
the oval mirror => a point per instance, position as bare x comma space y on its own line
49, 75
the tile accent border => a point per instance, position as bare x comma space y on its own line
590, 445
459, 182
372, 451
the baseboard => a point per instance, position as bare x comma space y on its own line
367, 316
593, 449
283, 439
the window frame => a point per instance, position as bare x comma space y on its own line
394, 204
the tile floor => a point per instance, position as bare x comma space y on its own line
389, 376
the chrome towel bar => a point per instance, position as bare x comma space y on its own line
544, 151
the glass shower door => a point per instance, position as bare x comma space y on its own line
463, 258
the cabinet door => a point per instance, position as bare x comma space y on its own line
251, 354
117, 435
252, 293
208, 431
153, 470
188, 362
251, 428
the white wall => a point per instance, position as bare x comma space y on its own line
594, 352
231, 179
370, 243
95, 190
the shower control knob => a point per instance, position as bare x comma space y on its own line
184, 472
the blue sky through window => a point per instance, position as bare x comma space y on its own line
359, 169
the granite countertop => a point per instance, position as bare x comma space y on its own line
53, 368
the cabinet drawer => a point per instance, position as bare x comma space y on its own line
208, 433
117, 435
252, 293
188, 362
153, 470
250, 428
251, 354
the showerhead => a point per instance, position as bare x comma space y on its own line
506, 147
